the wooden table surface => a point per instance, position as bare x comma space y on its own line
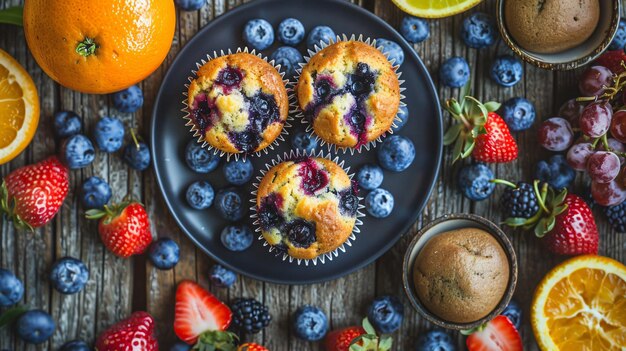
119, 286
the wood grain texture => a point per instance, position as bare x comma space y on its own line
117, 287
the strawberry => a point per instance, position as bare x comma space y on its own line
357, 338
134, 333
497, 335
124, 228
480, 132
612, 60
32, 195
200, 317
250, 346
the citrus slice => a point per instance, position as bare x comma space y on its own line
581, 305
19, 108
435, 8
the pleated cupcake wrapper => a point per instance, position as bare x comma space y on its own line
200, 136
299, 113
257, 223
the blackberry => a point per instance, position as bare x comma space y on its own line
250, 316
519, 202
617, 217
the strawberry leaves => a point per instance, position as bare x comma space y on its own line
370, 341
216, 341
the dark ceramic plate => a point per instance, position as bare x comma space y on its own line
411, 188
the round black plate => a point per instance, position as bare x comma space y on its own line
411, 188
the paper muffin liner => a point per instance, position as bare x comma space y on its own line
200, 136
299, 113
323, 258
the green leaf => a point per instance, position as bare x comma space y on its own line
560, 198
475, 111
452, 134
458, 147
559, 209
9, 316
369, 329
468, 147
12, 15
541, 227
216, 341
466, 89
385, 343
453, 107
516, 222
550, 223
492, 106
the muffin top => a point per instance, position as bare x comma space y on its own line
350, 93
461, 275
238, 103
306, 206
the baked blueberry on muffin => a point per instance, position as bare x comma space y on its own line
237, 103
350, 94
306, 207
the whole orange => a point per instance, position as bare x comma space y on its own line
99, 46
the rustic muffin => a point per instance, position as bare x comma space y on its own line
461, 275
237, 103
350, 94
306, 207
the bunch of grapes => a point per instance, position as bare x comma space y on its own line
600, 116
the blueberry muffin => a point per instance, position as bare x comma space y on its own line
237, 103
307, 207
350, 93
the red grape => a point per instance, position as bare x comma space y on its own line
618, 126
578, 155
594, 79
595, 119
608, 194
571, 111
603, 166
616, 147
555, 134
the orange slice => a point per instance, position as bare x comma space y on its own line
19, 108
581, 305
435, 8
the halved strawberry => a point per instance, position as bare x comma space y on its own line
498, 335
612, 60
250, 346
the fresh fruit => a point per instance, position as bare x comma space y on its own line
556, 172
386, 314
137, 155
594, 81
614, 146
249, 315
507, 70
578, 155
69, 275
109, 134
618, 126
99, 46
401, 118
454, 72
190, 5
581, 305
396, 153
435, 340
124, 228
304, 141
608, 194
77, 151
199, 159
164, 253
435, 9
67, 123
595, 120
619, 40
200, 195
475, 181
392, 50
19, 108
497, 335
478, 31
496, 145
571, 110
95, 193
369, 176
290, 31
357, 339
379, 203
575, 231
341, 340
519, 200
180, 346
513, 312
555, 134
238, 172
229, 204
288, 58
259, 34
319, 35
414, 30
310, 323
222, 277
128, 100
518, 113
75, 345
35, 327
250, 346
237, 237
135, 332
200, 315
32, 195
616, 215
612, 60
603, 166
11, 288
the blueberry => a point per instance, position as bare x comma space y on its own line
69, 275
222, 277
238, 172
199, 159
35, 327
128, 100
75, 345
310, 323
11, 288
290, 31
304, 141
514, 313
230, 204
403, 118
518, 113
619, 40
109, 134
414, 30
200, 195
320, 34
67, 123
454, 72
386, 314
288, 59
137, 156
259, 34
369, 176
237, 237
396, 153
556, 172
394, 52
507, 70
164, 253
77, 151
95, 193
435, 340
379, 203
475, 181
301, 233
180, 346
478, 31
190, 5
